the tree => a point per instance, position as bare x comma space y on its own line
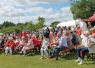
20, 24
83, 8
0, 26
7, 24
8, 27
40, 23
30, 26
53, 24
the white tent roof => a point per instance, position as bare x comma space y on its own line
69, 23
1, 33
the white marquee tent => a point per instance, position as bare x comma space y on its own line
73, 23
68, 23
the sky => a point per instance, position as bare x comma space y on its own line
29, 10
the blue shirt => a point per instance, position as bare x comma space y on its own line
62, 42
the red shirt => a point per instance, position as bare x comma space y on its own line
79, 31
36, 41
51, 36
24, 33
10, 43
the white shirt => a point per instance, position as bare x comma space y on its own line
92, 48
85, 41
45, 43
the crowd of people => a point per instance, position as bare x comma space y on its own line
50, 42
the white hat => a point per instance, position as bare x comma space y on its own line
10, 38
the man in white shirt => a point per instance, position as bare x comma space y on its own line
83, 49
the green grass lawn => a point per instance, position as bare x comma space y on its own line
33, 61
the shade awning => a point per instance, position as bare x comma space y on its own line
86, 20
90, 19
68, 23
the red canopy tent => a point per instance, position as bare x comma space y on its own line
90, 19
86, 20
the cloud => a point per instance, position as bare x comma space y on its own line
27, 10
64, 14
55, 1
66, 9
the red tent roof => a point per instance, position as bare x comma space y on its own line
86, 20
90, 19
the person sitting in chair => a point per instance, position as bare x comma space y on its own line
83, 49
92, 46
44, 48
28, 46
61, 44
9, 46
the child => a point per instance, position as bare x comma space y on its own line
44, 47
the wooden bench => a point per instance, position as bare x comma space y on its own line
65, 51
1, 50
91, 53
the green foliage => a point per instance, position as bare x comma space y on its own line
40, 23
53, 24
11, 27
83, 8
20, 24
0, 26
30, 26
16, 29
8, 27
7, 24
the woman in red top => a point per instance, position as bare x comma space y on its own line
9, 46
28, 46
78, 30
21, 44
54, 40
36, 41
